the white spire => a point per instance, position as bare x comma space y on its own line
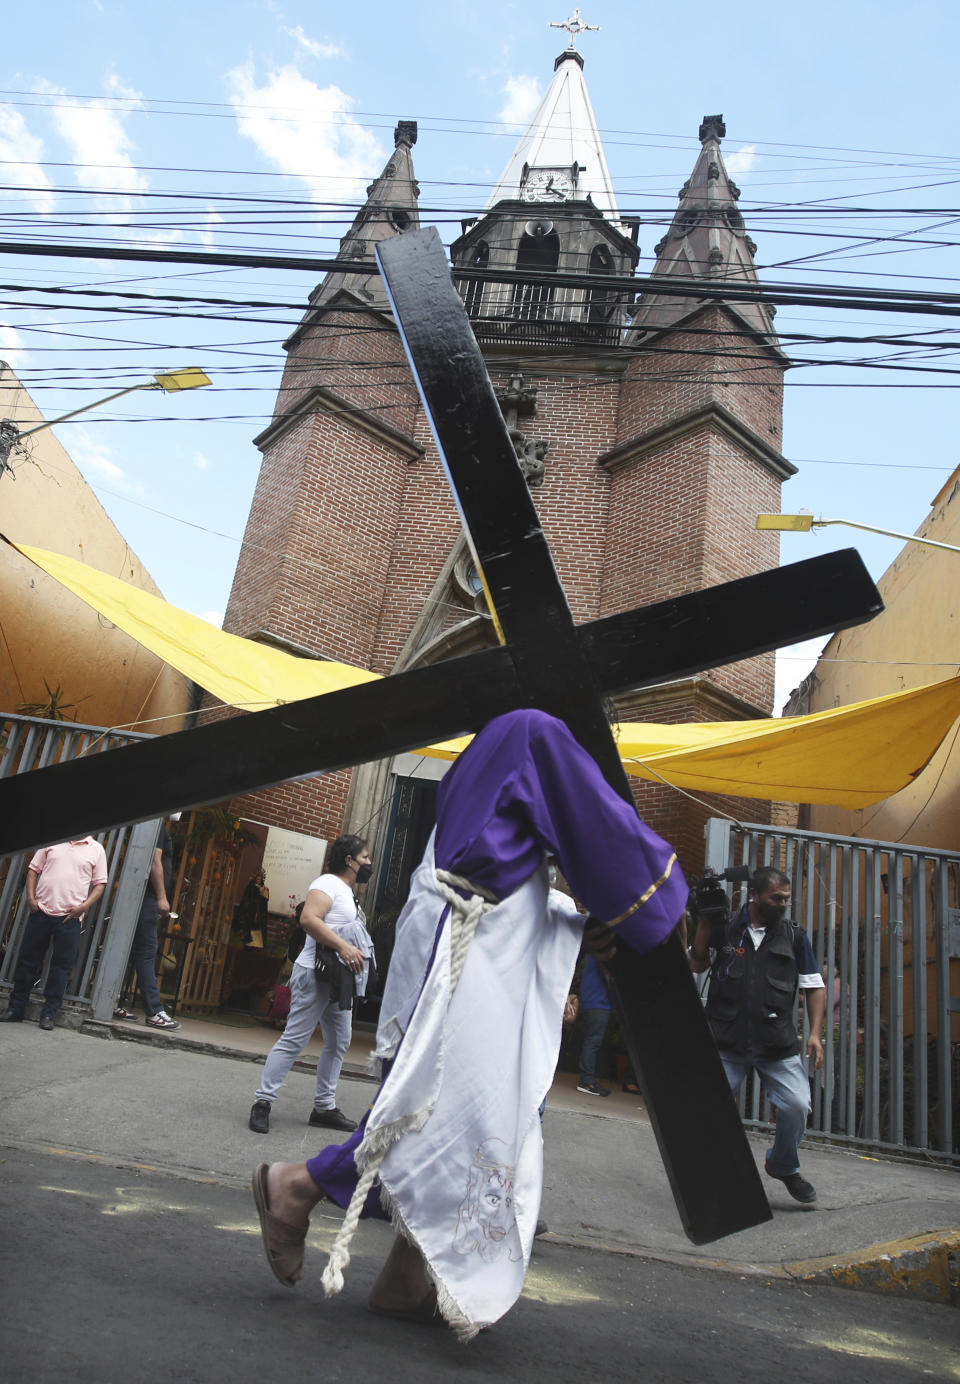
563, 133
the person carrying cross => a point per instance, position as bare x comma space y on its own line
470, 1026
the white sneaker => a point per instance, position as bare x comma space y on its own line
161, 1020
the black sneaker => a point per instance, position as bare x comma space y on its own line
260, 1117
798, 1187
593, 1088
331, 1119
46, 1023
10, 1016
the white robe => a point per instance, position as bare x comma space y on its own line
457, 1114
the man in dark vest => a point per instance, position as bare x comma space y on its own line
760, 959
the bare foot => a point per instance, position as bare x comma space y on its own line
403, 1287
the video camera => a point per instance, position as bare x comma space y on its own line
708, 898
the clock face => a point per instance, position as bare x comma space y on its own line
547, 185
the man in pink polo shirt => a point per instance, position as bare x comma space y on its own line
63, 882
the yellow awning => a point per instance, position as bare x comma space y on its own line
850, 756
239, 671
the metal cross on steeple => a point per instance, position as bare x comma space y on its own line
575, 27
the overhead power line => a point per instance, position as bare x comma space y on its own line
821, 295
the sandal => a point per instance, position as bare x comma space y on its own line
282, 1242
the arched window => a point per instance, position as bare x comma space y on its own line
538, 253
600, 301
473, 297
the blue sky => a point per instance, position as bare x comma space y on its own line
840, 132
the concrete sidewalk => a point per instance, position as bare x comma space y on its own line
172, 1101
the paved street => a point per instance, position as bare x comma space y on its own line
130, 1251
114, 1275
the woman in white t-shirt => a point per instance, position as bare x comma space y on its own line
333, 918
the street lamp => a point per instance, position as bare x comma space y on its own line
803, 523
191, 377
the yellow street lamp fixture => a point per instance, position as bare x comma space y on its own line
191, 377
803, 523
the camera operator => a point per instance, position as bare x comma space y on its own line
761, 958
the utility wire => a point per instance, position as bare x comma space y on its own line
846, 296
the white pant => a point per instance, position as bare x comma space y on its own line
310, 1004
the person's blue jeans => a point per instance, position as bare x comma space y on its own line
788, 1089
594, 1030
143, 954
41, 932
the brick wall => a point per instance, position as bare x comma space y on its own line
348, 532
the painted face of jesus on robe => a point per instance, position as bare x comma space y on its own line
486, 1219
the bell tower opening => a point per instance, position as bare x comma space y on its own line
537, 253
600, 301
473, 296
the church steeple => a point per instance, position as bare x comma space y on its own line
390, 208
560, 157
707, 239
552, 212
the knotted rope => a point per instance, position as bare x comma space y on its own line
465, 915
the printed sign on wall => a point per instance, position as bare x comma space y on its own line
291, 862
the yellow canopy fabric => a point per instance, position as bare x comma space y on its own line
239, 671
849, 756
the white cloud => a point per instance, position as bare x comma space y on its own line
102, 149
96, 137
305, 130
741, 160
200, 461
213, 218
96, 461
315, 49
521, 95
212, 617
21, 153
12, 349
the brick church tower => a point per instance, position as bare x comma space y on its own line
649, 432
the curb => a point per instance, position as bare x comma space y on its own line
925, 1266
129, 1033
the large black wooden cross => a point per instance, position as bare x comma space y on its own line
544, 661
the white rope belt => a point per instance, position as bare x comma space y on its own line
465, 915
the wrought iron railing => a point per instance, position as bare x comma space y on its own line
535, 314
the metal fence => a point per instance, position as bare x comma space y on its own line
884, 923
27, 743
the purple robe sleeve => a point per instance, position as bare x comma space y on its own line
525, 786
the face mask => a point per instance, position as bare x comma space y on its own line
771, 912
363, 873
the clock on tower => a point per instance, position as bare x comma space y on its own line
547, 185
